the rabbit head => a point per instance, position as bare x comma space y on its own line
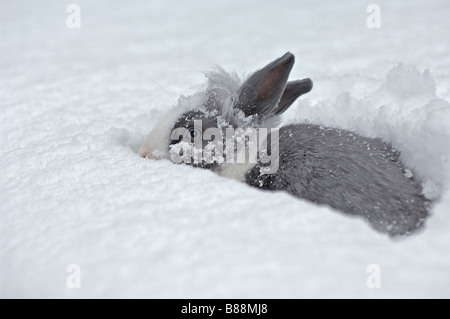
200, 123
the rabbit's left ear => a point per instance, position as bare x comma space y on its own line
293, 90
260, 94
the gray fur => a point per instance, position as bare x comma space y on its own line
293, 90
356, 175
261, 93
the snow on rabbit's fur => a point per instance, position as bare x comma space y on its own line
355, 174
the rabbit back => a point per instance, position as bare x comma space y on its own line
356, 175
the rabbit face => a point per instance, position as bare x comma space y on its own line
199, 131
191, 140
216, 127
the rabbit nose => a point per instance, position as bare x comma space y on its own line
143, 152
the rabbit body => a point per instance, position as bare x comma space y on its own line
356, 175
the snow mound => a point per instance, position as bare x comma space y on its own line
403, 110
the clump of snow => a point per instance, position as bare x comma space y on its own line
403, 110
406, 82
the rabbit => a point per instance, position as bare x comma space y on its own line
353, 174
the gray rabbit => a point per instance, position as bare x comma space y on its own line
351, 173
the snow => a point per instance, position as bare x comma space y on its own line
76, 105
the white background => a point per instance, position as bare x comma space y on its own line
76, 104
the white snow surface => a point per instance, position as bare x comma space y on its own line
76, 105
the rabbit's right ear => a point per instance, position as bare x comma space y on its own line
260, 94
293, 90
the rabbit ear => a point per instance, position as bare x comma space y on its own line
259, 95
293, 90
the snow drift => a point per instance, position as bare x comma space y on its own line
76, 104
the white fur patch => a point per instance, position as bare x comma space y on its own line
156, 145
236, 171
227, 85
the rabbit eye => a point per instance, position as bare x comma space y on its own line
195, 133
